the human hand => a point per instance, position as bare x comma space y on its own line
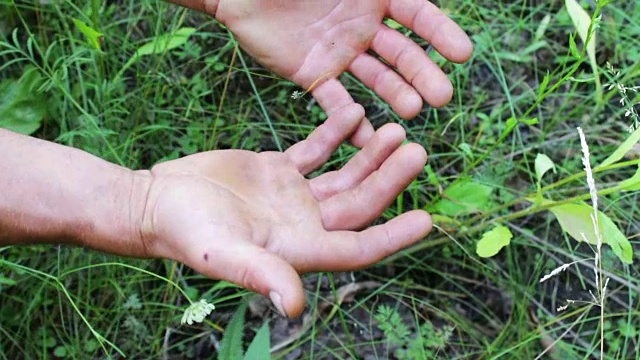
314, 42
254, 219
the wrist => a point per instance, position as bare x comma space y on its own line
58, 194
113, 222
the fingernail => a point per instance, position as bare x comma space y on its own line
276, 299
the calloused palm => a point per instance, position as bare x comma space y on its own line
255, 219
315, 41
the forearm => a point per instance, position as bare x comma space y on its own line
207, 6
56, 194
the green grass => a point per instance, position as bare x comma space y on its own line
209, 95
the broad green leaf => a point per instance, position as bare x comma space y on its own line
623, 149
260, 347
22, 106
575, 219
493, 241
92, 35
160, 44
581, 20
231, 347
465, 196
543, 164
631, 184
165, 42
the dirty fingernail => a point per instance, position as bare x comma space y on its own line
276, 299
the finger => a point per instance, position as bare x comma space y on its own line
414, 65
347, 251
383, 143
358, 207
331, 96
402, 97
426, 20
311, 153
259, 271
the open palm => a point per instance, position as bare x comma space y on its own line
317, 40
255, 219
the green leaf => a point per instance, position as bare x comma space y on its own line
165, 42
632, 183
60, 352
6, 281
160, 44
431, 175
623, 149
512, 123
393, 24
260, 347
231, 347
91, 346
92, 35
581, 20
575, 219
493, 241
543, 164
465, 196
544, 23
22, 106
573, 47
543, 85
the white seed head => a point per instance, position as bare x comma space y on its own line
197, 312
555, 272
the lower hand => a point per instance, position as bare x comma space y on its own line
254, 219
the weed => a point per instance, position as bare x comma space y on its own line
530, 83
425, 343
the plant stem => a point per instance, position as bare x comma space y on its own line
531, 210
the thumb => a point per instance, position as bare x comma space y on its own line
260, 271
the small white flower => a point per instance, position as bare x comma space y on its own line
296, 95
197, 312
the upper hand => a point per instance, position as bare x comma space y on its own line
255, 219
306, 41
